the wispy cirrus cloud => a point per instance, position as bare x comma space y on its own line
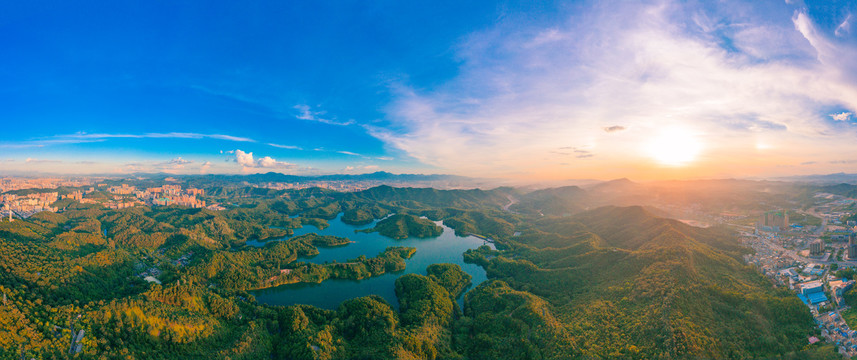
733, 75
42, 161
843, 162
169, 135
83, 137
177, 165
272, 105
26, 144
305, 112
349, 153
844, 27
292, 147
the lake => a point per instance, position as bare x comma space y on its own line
446, 248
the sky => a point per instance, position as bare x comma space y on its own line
515, 90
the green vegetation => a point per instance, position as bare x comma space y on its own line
803, 219
450, 277
362, 214
402, 226
613, 282
558, 201
848, 273
850, 315
390, 260
491, 224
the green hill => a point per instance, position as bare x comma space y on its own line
624, 283
402, 226
608, 283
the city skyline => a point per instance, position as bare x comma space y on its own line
650, 90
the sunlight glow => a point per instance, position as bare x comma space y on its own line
674, 146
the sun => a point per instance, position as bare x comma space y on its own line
674, 146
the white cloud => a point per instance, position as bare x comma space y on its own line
268, 162
32, 160
247, 162
844, 116
360, 168
179, 161
306, 113
172, 166
517, 97
349, 153
285, 146
244, 159
844, 28
83, 137
170, 135
176, 165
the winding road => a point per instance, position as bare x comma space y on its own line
512, 201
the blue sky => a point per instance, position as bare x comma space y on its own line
501, 89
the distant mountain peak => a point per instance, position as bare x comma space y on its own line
615, 184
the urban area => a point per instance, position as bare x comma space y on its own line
816, 259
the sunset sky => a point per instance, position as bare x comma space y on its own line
565, 90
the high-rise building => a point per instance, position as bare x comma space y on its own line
775, 219
817, 248
852, 247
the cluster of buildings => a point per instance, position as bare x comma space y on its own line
816, 286
769, 255
150, 274
834, 328
80, 196
125, 189
183, 260
172, 195
773, 221
26, 205
117, 204
805, 260
14, 183
123, 196
812, 293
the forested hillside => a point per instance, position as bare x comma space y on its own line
612, 282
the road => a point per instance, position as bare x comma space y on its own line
512, 201
793, 254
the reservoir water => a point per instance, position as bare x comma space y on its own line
446, 248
